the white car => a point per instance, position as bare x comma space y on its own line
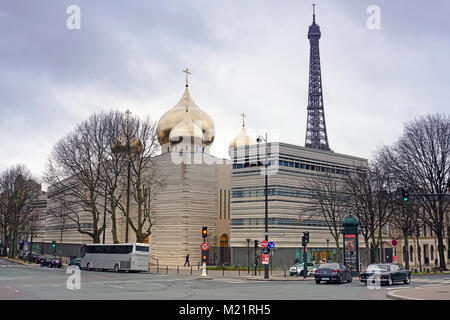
298, 269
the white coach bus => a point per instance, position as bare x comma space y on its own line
117, 257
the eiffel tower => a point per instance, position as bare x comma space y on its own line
316, 130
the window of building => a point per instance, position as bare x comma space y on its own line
220, 205
229, 205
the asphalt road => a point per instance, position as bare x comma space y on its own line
33, 282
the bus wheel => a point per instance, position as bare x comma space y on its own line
88, 267
116, 268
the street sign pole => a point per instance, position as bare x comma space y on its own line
204, 247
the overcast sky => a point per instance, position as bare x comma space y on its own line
245, 56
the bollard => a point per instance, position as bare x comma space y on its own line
191, 270
157, 267
239, 272
167, 269
223, 270
178, 269
285, 273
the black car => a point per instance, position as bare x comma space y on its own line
386, 273
335, 272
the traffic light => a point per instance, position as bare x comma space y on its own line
205, 256
405, 194
204, 232
306, 236
303, 241
256, 243
53, 244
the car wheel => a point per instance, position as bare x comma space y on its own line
350, 279
407, 281
317, 281
339, 279
116, 268
88, 267
389, 282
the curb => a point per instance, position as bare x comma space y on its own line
395, 296
16, 261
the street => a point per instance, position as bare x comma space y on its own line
33, 282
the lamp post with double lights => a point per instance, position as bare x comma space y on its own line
266, 194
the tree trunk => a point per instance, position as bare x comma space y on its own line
442, 264
419, 255
406, 253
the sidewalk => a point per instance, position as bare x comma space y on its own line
421, 293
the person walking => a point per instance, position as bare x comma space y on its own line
187, 261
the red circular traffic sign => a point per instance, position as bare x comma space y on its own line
264, 243
394, 243
205, 246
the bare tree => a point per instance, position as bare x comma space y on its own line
371, 197
139, 143
75, 167
60, 214
331, 203
421, 159
17, 190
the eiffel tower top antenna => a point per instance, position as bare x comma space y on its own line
316, 131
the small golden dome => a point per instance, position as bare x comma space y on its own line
242, 140
186, 129
177, 114
120, 144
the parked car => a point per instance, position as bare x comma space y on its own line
332, 272
75, 262
298, 269
387, 273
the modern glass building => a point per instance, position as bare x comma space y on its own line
289, 200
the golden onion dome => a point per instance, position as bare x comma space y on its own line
242, 139
186, 129
177, 114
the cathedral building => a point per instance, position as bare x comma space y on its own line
196, 188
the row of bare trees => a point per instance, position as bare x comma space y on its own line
105, 165
18, 189
418, 162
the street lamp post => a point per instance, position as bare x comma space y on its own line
266, 200
248, 255
328, 252
104, 216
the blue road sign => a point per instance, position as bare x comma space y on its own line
271, 245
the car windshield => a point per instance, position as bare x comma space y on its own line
376, 267
329, 266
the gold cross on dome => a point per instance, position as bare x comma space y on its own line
187, 76
243, 115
